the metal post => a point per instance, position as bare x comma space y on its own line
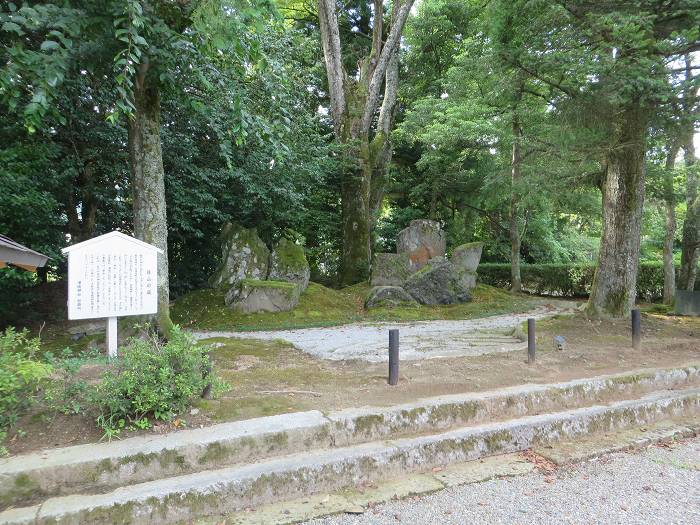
530, 341
112, 337
636, 329
393, 356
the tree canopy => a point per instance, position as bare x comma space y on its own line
552, 130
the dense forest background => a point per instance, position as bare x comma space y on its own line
511, 122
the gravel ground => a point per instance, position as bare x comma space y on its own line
418, 340
657, 485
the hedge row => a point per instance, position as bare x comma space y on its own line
568, 280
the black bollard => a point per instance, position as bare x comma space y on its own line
530, 341
393, 356
636, 329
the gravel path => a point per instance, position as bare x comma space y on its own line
655, 486
418, 340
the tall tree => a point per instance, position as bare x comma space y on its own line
153, 43
610, 58
690, 244
354, 100
669, 199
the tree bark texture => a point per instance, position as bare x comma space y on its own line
691, 226
354, 103
515, 280
148, 186
670, 233
615, 283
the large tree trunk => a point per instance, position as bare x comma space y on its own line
670, 234
354, 100
515, 280
148, 185
355, 189
691, 237
615, 283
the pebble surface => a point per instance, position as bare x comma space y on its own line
657, 485
418, 340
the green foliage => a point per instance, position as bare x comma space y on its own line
569, 280
21, 374
151, 379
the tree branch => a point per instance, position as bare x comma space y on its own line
330, 40
377, 79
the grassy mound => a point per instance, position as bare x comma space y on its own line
321, 306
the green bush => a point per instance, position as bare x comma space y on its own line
151, 379
568, 280
20, 374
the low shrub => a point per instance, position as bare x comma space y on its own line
568, 280
151, 379
21, 375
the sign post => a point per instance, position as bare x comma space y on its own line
112, 276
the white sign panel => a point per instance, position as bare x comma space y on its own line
112, 275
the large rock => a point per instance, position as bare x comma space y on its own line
422, 241
251, 295
388, 296
244, 256
687, 303
390, 269
439, 282
467, 256
288, 263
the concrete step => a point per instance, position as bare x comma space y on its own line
101, 467
215, 492
357, 500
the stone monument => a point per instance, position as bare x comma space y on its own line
420, 272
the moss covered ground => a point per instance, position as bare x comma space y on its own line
321, 306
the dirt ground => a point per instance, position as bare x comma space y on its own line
272, 377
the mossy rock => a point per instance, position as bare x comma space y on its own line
466, 257
390, 269
243, 256
251, 296
439, 282
389, 296
288, 263
422, 240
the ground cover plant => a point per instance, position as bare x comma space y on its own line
151, 380
323, 306
21, 375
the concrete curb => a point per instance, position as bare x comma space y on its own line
104, 466
234, 488
356, 501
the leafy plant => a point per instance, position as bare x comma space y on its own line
20, 374
152, 379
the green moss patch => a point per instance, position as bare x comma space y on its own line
321, 306
318, 306
290, 255
255, 283
469, 245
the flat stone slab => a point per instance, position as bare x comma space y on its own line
418, 340
357, 501
484, 469
567, 451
